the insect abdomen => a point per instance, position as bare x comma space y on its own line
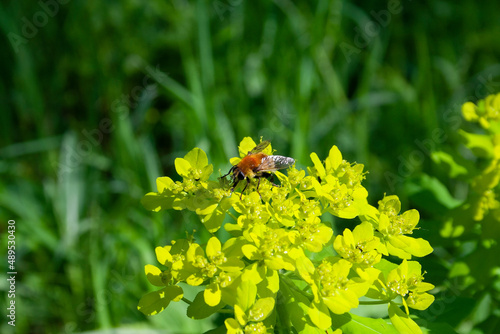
250, 163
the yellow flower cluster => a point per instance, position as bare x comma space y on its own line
283, 266
487, 146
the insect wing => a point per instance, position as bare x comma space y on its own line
272, 163
261, 147
281, 162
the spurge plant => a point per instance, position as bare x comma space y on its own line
284, 269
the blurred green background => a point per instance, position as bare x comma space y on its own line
99, 98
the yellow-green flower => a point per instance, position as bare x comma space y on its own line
216, 267
359, 246
486, 202
308, 208
194, 166
485, 112
406, 281
283, 209
295, 176
194, 193
393, 227
338, 184
171, 257
311, 234
252, 211
251, 321
270, 246
333, 285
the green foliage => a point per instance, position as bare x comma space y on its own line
172, 75
470, 227
264, 274
478, 215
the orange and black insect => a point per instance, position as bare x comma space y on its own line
257, 165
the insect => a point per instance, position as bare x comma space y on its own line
256, 165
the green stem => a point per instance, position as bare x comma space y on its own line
187, 301
375, 302
283, 317
232, 216
292, 286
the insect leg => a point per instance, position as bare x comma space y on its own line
270, 177
235, 183
230, 171
257, 189
246, 185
